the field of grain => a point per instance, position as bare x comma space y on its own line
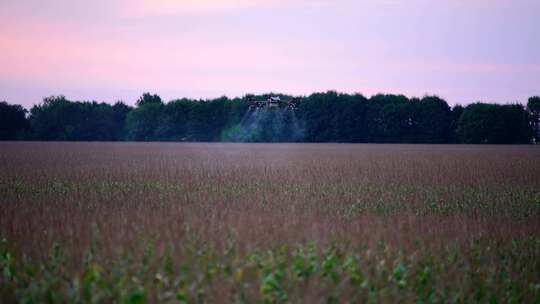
309, 223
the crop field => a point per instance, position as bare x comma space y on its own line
268, 223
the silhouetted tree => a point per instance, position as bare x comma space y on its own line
316, 111
148, 98
143, 121
533, 105
429, 121
388, 118
52, 120
319, 117
494, 124
13, 122
457, 110
173, 125
60, 119
120, 112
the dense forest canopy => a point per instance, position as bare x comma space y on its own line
319, 117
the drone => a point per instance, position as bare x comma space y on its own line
273, 102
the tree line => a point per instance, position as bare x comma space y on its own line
319, 117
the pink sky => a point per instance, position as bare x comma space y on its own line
108, 50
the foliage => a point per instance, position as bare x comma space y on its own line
148, 98
533, 106
319, 117
338, 273
13, 121
60, 119
494, 124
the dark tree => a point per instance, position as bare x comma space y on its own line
148, 98
60, 119
388, 118
494, 124
120, 112
173, 125
430, 121
52, 120
13, 122
143, 121
349, 117
457, 110
533, 105
319, 117
316, 110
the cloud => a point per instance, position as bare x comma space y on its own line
146, 8
143, 8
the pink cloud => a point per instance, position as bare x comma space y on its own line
291, 46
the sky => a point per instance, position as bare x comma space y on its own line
107, 50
